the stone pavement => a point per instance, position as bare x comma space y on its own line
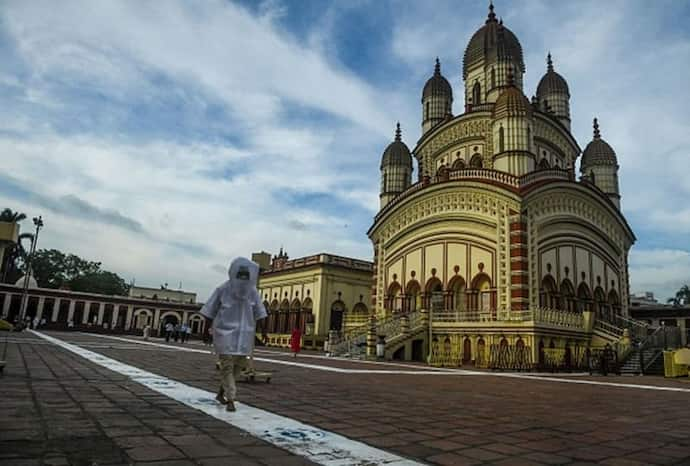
57, 399
59, 409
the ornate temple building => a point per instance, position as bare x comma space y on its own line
498, 237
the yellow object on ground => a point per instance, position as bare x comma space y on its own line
672, 367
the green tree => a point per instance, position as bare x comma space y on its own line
682, 296
102, 282
8, 215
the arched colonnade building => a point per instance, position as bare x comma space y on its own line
63, 309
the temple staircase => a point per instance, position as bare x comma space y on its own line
397, 331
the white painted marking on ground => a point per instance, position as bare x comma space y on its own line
317, 445
534, 376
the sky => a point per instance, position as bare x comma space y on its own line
165, 138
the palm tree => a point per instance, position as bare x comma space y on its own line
8, 215
682, 296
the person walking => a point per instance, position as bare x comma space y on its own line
183, 332
233, 310
296, 341
168, 331
176, 334
188, 332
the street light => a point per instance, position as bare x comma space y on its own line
38, 222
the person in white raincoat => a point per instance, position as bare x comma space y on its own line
235, 308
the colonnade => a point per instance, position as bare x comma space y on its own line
60, 310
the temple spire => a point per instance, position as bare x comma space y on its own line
398, 133
597, 134
437, 68
492, 15
549, 62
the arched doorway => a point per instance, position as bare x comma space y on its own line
307, 317
337, 312
466, 351
480, 360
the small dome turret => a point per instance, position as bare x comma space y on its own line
512, 102
396, 169
598, 151
552, 82
437, 85
437, 100
599, 166
397, 153
553, 94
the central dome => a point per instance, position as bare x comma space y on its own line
493, 40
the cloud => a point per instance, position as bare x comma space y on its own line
164, 139
663, 271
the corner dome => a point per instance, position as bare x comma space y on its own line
512, 102
32, 282
598, 151
552, 82
397, 153
492, 41
437, 85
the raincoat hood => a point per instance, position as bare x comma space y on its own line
243, 277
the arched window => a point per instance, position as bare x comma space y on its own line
584, 298
480, 294
602, 308
615, 303
493, 78
501, 139
337, 314
548, 297
434, 294
458, 295
414, 295
567, 296
476, 161
459, 164
307, 319
476, 94
394, 299
543, 164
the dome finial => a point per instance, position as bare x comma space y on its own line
492, 15
597, 134
398, 133
437, 67
549, 62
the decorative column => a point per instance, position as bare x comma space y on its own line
6, 304
87, 312
128, 318
371, 337
156, 318
39, 308
70, 313
101, 311
56, 310
116, 314
519, 280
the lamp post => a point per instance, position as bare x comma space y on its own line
38, 222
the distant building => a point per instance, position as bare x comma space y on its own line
162, 294
646, 308
316, 293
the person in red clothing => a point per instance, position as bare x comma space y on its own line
296, 341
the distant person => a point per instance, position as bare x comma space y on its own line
188, 332
177, 332
168, 331
296, 341
42, 323
233, 310
147, 332
182, 332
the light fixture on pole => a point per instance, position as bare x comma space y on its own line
38, 222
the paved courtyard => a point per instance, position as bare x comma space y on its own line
60, 407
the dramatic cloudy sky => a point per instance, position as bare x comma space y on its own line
163, 138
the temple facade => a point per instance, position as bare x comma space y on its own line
497, 239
